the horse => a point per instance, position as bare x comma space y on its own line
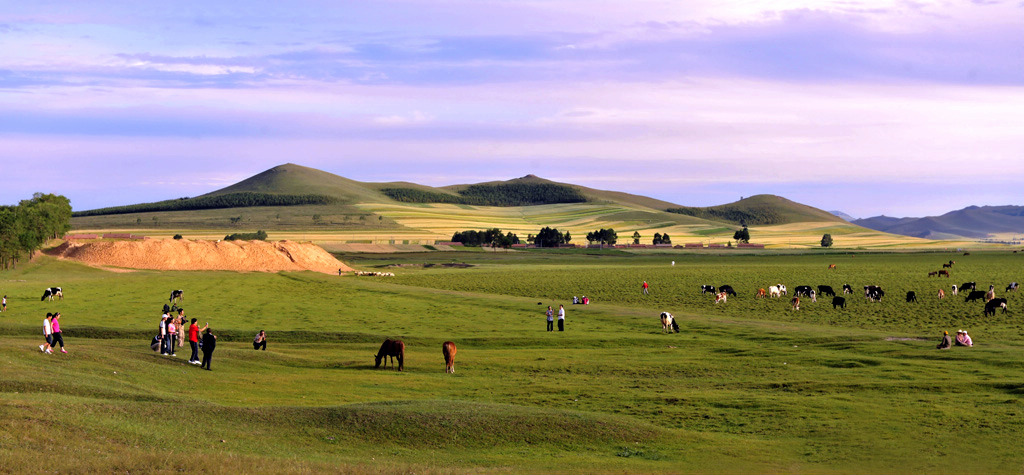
448, 350
831, 266
668, 323
391, 348
761, 293
943, 273
795, 303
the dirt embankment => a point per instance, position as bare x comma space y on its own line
183, 254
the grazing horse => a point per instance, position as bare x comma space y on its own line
761, 293
391, 348
721, 297
947, 266
668, 323
942, 294
795, 303
448, 350
831, 266
943, 273
177, 295
933, 273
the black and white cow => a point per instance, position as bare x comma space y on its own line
847, 289
968, 286
707, 288
874, 293
992, 305
826, 291
1012, 286
52, 292
177, 296
802, 290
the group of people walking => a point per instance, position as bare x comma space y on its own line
52, 334
172, 335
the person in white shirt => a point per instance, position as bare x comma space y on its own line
561, 318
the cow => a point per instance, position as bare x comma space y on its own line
52, 292
774, 291
721, 297
727, 289
177, 296
761, 294
794, 303
1012, 286
991, 294
992, 305
968, 286
975, 295
955, 289
803, 290
873, 293
847, 289
944, 273
668, 323
826, 291
831, 266
814, 296
782, 288
942, 294
707, 288
911, 296
838, 302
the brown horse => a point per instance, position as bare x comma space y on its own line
391, 348
448, 349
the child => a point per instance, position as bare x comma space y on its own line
48, 334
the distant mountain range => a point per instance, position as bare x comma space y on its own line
843, 215
975, 222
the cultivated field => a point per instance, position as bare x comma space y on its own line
747, 386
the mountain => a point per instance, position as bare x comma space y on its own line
292, 179
760, 210
843, 215
975, 222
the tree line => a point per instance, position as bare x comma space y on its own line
244, 199
260, 235
749, 216
506, 194
24, 228
491, 237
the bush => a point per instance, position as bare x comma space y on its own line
260, 235
177, 236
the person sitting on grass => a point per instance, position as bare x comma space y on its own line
963, 339
260, 342
946, 341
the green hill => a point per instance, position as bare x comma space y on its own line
291, 179
760, 210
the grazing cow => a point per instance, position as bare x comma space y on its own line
847, 289
391, 349
814, 296
992, 305
873, 293
774, 291
991, 294
826, 291
761, 293
933, 273
727, 289
975, 295
177, 296
782, 288
838, 302
794, 303
955, 289
52, 292
668, 323
942, 294
968, 286
448, 350
911, 296
1012, 286
831, 266
803, 290
720, 297
707, 288
944, 273
967, 253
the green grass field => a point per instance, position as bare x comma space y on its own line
747, 386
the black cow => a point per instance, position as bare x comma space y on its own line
968, 286
727, 289
911, 296
177, 295
826, 291
707, 288
975, 295
803, 290
838, 302
992, 305
1012, 286
52, 292
847, 289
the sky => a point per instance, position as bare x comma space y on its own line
901, 108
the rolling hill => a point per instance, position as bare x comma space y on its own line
976, 222
305, 203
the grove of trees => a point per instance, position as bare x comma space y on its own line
492, 237
661, 239
742, 235
260, 235
603, 236
550, 237
507, 194
26, 227
229, 200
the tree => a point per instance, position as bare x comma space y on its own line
826, 240
742, 235
665, 239
657, 239
549, 237
636, 237
604, 236
568, 238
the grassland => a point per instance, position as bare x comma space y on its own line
748, 386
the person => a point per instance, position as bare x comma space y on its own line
47, 334
551, 319
575, 300
645, 286
586, 300
57, 336
172, 336
181, 323
260, 342
209, 343
561, 318
946, 341
4, 308
193, 341
963, 339
163, 334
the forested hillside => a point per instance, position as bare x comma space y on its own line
230, 200
507, 194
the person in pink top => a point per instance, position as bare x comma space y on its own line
172, 335
57, 337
